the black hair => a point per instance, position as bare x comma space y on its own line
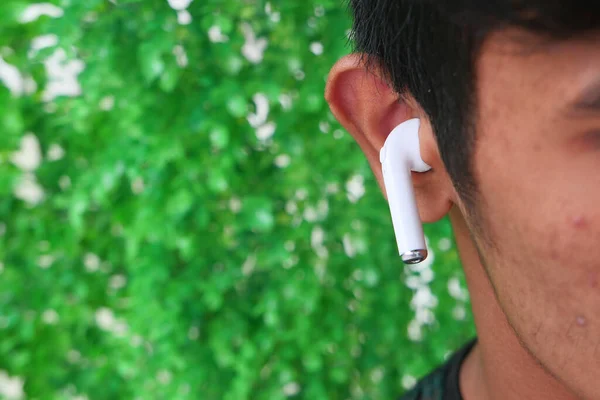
428, 49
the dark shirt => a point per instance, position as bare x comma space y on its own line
442, 384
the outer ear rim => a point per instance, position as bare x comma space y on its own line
379, 107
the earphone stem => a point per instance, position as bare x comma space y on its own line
405, 215
400, 155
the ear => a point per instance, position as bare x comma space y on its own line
369, 110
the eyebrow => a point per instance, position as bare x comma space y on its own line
589, 100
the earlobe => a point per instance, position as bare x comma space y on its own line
370, 110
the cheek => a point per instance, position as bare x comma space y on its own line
545, 268
542, 221
537, 201
565, 254
545, 248
537, 223
570, 240
573, 257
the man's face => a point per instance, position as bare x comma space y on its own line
537, 165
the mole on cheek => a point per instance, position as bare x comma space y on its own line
579, 222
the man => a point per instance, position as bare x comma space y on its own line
508, 93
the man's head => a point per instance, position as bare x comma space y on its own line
509, 97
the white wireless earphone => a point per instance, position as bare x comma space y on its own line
399, 156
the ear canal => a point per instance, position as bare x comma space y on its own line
399, 156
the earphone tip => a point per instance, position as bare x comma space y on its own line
414, 256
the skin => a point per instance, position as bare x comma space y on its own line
533, 270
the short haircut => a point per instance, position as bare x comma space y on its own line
429, 48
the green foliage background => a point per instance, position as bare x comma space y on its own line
179, 250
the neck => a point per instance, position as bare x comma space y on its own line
499, 367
